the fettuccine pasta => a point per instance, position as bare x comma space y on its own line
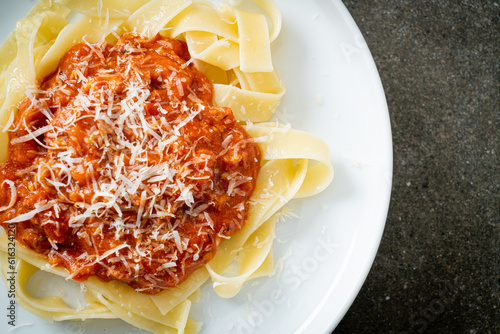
232, 48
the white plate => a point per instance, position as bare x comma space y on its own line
323, 257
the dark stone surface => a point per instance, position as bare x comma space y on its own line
437, 269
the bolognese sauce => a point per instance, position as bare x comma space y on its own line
120, 167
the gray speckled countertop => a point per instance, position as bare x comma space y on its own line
438, 266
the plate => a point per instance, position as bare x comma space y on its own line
326, 244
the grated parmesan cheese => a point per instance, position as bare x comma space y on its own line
146, 179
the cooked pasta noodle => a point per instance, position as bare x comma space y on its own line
232, 48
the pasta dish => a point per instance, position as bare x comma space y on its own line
137, 158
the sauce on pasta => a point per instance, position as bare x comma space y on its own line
119, 166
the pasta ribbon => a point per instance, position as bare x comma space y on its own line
150, 19
255, 48
31, 32
104, 8
284, 143
86, 29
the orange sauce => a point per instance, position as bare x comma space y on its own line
139, 176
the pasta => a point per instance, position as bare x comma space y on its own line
232, 48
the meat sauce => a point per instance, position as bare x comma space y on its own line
123, 168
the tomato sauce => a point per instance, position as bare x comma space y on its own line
123, 168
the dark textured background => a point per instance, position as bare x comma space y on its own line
437, 269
